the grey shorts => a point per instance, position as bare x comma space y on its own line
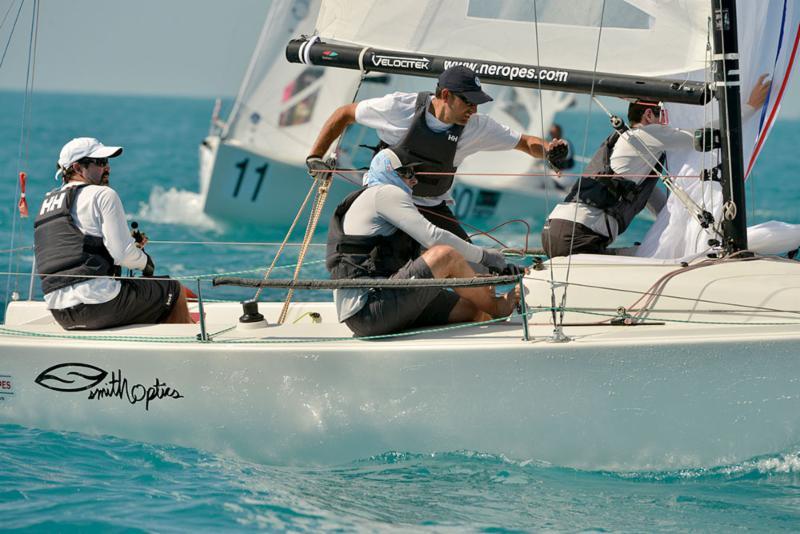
140, 301
393, 310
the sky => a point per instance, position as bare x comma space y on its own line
163, 47
167, 47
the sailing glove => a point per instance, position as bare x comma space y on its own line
150, 268
493, 260
316, 164
513, 269
557, 154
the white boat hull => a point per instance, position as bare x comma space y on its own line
662, 395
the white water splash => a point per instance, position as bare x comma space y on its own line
174, 206
785, 463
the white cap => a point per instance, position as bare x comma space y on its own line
84, 147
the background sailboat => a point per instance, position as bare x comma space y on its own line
253, 164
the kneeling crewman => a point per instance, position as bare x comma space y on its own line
377, 232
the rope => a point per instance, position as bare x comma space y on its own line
322, 195
286, 238
24, 138
366, 283
316, 211
559, 324
531, 174
230, 243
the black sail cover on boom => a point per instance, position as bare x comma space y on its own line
62, 249
616, 196
356, 256
434, 151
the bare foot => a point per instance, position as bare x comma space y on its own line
507, 303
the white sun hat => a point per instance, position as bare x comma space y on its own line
84, 147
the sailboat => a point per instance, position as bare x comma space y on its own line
613, 362
252, 166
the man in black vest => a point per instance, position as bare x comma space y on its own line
439, 130
81, 240
618, 183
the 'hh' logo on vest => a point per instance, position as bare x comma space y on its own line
453, 138
53, 202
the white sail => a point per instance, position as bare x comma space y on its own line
638, 37
281, 106
768, 39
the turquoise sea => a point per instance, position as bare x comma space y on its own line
71, 482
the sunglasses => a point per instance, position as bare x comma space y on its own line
463, 99
100, 162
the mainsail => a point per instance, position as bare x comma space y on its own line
638, 37
281, 106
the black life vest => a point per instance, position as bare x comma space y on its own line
616, 196
62, 249
356, 256
436, 151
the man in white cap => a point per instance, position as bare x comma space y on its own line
81, 240
442, 129
377, 232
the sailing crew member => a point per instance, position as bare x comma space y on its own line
81, 232
440, 130
378, 232
599, 207
568, 161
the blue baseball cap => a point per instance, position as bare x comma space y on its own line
464, 81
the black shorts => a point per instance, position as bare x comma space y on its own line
393, 310
558, 239
140, 301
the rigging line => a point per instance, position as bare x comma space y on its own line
546, 189
288, 235
532, 174
477, 230
725, 111
11, 33
325, 184
225, 243
707, 112
676, 297
24, 135
580, 180
10, 5
17, 186
32, 77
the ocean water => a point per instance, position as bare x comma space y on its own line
70, 482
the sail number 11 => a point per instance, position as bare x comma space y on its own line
260, 171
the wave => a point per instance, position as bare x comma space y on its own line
176, 206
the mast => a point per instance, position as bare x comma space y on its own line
314, 52
728, 90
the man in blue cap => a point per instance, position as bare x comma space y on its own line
439, 130
377, 232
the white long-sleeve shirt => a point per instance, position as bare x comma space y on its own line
381, 210
98, 211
